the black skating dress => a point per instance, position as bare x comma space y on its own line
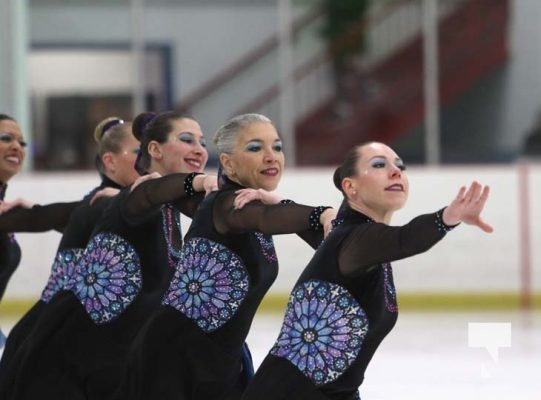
341, 308
36, 219
10, 256
76, 233
192, 346
77, 347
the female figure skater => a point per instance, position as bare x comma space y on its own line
79, 342
12, 154
192, 346
115, 160
344, 302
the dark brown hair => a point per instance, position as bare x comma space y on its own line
348, 167
149, 126
6, 117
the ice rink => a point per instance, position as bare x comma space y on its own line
427, 356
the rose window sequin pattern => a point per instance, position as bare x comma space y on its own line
108, 277
323, 331
267, 246
390, 291
61, 272
209, 285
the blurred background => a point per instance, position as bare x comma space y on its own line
448, 81
454, 86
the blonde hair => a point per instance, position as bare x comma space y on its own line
109, 135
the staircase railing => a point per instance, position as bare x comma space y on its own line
243, 64
388, 28
251, 83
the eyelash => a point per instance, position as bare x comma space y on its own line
381, 164
7, 138
256, 147
189, 139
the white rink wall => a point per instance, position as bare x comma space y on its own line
467, 260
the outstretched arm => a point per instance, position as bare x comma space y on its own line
20, 202
375, 243
38, 218
310, 236
151, 194
270, 219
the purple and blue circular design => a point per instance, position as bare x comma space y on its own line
108, 277
209, 285
323, 331
61, 272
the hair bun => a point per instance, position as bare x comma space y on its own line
141, 122
104, 126
337, 178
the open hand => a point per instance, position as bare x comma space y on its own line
467, 206
244, 196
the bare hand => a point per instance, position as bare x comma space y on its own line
210, 184
20, 202
467, 207
326, 219
244, 196
144, 178
105, 192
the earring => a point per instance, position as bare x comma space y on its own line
354, 192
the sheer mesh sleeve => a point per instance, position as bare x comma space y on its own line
256, 216
313, 238
38, 218
376, 243
149, 196
188, 205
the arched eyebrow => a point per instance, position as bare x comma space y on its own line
382, 156
261, 141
